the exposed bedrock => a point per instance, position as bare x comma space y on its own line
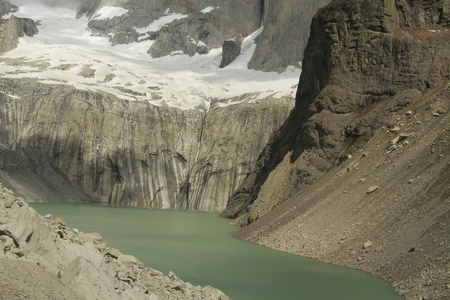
364, 61
285, 35
134, 153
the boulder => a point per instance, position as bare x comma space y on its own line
231, 49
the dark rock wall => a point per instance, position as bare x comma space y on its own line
6, 8
359, 54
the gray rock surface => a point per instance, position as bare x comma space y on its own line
344, 90
286, 32
43, 259
7, 8
375, 74
133, 153
281, 44
12, 29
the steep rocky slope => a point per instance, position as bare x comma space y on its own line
136, 154
357, 57
359, 173
41, 258
386, 210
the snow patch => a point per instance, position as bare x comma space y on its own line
63, 47
110, 12
208, 9
160, 23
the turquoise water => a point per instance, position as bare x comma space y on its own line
199, 248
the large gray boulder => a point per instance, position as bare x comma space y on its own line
231, 49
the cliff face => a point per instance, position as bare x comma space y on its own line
359, 54
133, 152
358, 174
136, 154
285, 34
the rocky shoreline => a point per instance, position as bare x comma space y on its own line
42, 258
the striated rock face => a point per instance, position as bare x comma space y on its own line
63, 263
37, 178
136, 154
285, 34
12, 29
359, 56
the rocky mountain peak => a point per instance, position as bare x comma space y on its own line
359, 54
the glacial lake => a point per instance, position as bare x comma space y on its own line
199, 248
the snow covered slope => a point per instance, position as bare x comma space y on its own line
64, 52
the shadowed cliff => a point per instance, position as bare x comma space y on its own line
359, 55
359, 173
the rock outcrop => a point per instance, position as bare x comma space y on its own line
7, 8
231, 49
12, 29
69, 264
358, 57
133, 153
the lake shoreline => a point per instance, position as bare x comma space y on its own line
75, 265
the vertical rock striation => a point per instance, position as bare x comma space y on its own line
136, 154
